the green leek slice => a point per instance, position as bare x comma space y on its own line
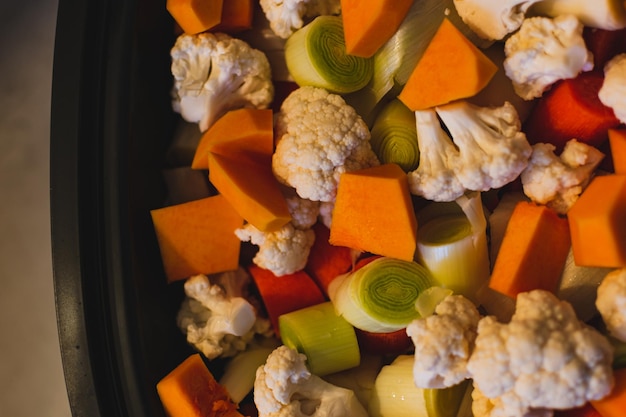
394, 136
327, 339
454, 247
380, 296
395, 394
316, 56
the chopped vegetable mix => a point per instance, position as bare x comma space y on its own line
368, 239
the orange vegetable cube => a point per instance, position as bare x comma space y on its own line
598, 223
374, 212
533, 251
236, 16
451, 68
191, 390
197, 237
195, 16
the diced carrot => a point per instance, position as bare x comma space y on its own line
197, 237
571, 109
533, 251
451, 68
392, 343
368, 25
374, 212
604, 44
326, 261
617, 141
286, 293
239, 132
191, 390
236, 16
195, 16
614, 405
598, 223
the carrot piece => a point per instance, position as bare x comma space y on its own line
604, 44
239, 132
614, 404
571, 109
192, 390
197, 237
451, 68
586, 410
236, 16
392, 343
598, 223
195, 16
252, 189
326, 261
284, 294
533, 251
374, 212
617, 142
367, 25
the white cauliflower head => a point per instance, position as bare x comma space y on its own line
492, 407
558, 181
493, 150
217, 319
613, 88
444, 342
285, 387
434, 178
304, 213
287, 16
319, 137
611, 303
544, 358
283, 251
493, 19
214, 73
544, 51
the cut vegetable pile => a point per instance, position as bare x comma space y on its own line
395, 208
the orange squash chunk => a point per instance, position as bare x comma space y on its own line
252, 189
374, 212
238, 133
451, 68
195, 16
598, 223
367, 25
533, 251
236, 16
197, 237
617, 142
192, 390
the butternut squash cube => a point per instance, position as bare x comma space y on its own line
192, 390
451, 68
195, 16
252, 189
598, 223
197, 237
239, 132
374, 212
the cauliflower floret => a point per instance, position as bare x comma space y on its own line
435, 178
214, 73
444, 342
217, 319
319, 137
493, 151
283, 251
284, 387
303, 212
611, 302
488, 407
558, 181
493, 19
286, 16
544, 51
613, 88
543, 358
